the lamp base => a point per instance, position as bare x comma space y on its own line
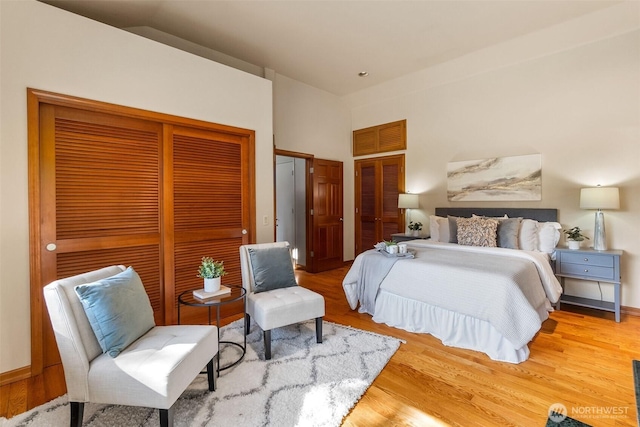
599, 235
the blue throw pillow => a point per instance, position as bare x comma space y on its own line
453, 229
272, 269
118, 310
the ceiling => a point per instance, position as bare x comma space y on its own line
327, 43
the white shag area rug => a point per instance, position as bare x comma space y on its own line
304, 383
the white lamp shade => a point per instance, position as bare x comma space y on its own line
600, 198
408, 201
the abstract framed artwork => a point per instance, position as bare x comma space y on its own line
514, 178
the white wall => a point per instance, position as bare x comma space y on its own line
312, 121
579, 107
46, 48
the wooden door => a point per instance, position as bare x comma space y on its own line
115, 185
327, 216
378, 182
206, 194
391, 185
367, 206
99, 202
379, 139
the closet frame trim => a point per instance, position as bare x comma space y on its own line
37, 97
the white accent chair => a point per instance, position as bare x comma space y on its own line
152, 372
278, 307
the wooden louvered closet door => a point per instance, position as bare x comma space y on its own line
116, 185
210, 170
100, 198
367, 230
378, 182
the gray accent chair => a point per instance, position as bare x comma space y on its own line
278, 307
152, 372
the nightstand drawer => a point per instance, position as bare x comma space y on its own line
592, 271
590, 259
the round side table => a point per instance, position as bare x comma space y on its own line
238, 293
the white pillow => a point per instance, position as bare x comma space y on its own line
528, 236
439, 228
548, 236
539, 236
434, 228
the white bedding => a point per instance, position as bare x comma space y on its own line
461, 301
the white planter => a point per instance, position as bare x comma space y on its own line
212, 285
574, 244
415, 233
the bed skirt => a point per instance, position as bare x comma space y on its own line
453, 329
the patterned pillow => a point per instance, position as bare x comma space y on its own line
477, 231
508, 228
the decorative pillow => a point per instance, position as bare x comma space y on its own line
439, 228
272, 269
453, 228
548, 236
477, 231
528, 236
508, 230
118, 310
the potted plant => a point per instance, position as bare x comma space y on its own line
415, 228
574, 237
211, 271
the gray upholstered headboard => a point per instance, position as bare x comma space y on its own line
542, 215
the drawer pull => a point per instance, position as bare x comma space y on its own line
586, 270
586, 260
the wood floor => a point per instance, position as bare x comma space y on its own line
581, 359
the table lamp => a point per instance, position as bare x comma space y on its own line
599, 198
408, 201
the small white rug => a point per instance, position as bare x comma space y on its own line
304, 383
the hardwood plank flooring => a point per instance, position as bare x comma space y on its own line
580, 358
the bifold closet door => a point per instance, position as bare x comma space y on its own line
378, 181
367, 197
115, 185
207, 199
100, 185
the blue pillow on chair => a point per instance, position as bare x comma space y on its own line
118, 310
272, 269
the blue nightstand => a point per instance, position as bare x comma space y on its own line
591, 265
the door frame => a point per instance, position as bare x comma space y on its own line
37, 97
308, 195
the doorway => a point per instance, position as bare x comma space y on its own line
309, 209
291, 205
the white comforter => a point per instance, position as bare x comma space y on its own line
509, 289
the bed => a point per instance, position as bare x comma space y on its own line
489, 291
